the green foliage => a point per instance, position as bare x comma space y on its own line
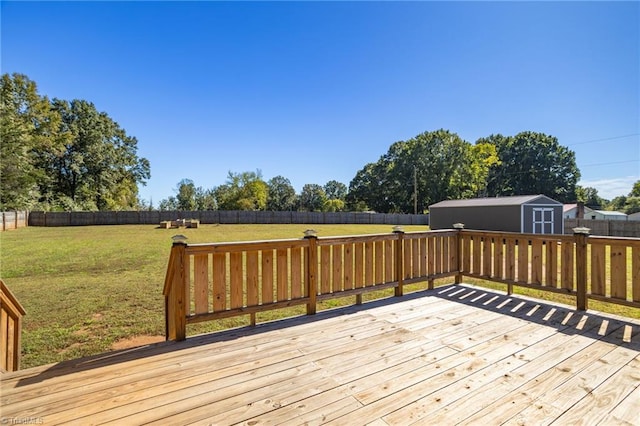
589, 196
632, 205
60, 155
312, 198
186, 195
335, 190
243, 191
617, 203
532, 163
168, 204
333, 205
28, 135
627, 204
434, 165
205, 199
282, 195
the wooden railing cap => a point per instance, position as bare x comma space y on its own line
6, 293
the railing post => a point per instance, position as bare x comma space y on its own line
399, 252
311, 266
581, 235
176, 306
459, 227
11, 329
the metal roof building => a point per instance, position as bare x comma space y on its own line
532, 214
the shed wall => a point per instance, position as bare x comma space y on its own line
490, 218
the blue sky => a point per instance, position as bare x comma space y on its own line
313, 91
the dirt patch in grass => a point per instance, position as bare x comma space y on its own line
136, 341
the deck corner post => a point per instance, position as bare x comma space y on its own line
581, 236
311, 266
176, 309
399, 258
458, 227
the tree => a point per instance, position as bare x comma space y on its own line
28, 129
168, 204
282, 195
242, 191
186, 195
205, 199
335, 190
589, 196
635, 191
428, 168
632, 205
64, 155
471, 181
99, 168
333, 205
367, 189
532, 163
312, 198
617, 204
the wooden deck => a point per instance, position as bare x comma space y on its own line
454, 355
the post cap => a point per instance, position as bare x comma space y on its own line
179, 239
581, 230
310, 233
458, 225
398, 228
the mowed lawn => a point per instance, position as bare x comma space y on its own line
90, 289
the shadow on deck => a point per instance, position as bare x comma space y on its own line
620, 331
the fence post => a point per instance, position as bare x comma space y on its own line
311, 265
176, 306
459, 227
399, 251
581, 235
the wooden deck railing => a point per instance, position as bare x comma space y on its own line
11, 313
220, 280
589, 267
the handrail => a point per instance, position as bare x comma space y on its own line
11, 313
219, 280
588, 267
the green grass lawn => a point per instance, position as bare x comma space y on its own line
88, 288
85, 288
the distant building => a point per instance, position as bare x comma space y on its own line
572, 211
533, 214
634, 216
605, 215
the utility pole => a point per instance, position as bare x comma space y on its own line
415, 190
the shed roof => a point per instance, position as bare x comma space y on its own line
515, 200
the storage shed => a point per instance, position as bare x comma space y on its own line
532, 214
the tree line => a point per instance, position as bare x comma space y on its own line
63, 155
66, 155
249, 191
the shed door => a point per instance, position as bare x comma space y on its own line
543, 220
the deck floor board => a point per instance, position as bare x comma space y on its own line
454, 355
